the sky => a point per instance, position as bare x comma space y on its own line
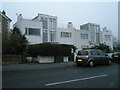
103, 13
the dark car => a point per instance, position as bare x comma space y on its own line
92, 57
116, 56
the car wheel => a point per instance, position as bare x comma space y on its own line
91, 63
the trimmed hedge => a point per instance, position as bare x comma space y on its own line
48, 49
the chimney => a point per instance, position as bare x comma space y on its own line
20, 17
3, 12
70, 25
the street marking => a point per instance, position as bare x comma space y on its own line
50, 84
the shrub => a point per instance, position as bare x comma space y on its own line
48, 49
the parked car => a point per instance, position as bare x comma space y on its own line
92, 57
116, 56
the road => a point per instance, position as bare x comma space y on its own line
105, 76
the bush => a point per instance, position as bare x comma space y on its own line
48, 49
102, 47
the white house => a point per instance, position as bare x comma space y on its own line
38, 30
106, 37
94, 31
43, 28
66, 35
82, 39
72, 36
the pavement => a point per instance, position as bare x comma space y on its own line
28, 66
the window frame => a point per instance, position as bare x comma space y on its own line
28, 32
66, 34
84, 36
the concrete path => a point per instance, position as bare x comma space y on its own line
11, 67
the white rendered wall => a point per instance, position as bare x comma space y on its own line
76, 39
24, 23
63, 40
79, 42
109, 43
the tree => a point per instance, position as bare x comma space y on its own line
16, 43
102, 47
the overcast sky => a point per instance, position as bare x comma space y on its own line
103, 13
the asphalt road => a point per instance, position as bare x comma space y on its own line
105, 76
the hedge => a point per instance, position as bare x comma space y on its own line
48, 49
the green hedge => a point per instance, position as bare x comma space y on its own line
102, 47
48, 49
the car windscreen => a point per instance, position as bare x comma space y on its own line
82, 53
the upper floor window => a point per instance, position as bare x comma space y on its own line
44, 23
84, 36
84, 27
52, 24
66, 34
32, 31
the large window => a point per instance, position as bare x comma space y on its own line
84, 36
84, 27
45, 36
52, 24
32, 31
97, 29
44, 23
66, 34
52, 36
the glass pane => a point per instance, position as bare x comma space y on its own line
45, 36
82, 53
33, 31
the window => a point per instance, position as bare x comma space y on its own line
52, 36
101, 52
52, 24
95, 52
84, 36
84, 27
32, 31
45, 36
91, 52
97, 29
44, 23
66, 34
82, 53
